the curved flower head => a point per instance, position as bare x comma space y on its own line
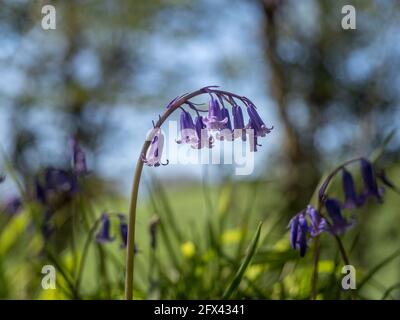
370, 185
187, 128
318, 223
153, 157
78, 158
256, 123
104, 233
214, 119
298, 233
339, 223
352, 200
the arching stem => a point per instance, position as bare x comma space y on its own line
135, 190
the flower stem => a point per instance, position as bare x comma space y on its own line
131, 230
135, 190
317, 247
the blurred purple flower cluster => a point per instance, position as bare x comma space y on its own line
336, 223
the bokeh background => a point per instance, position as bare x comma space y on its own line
109, 69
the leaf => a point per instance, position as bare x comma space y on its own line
377, 268
240, 272
389, 290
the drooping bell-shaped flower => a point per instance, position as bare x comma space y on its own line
238, 123
214, 119
78, 158
339, 223
123, 228
298, 233
318, 223
256, 123
226, 132
370, 185
187, 129
352, 200
203, 139
104, 233
153, 156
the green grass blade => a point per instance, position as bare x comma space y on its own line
378, 267
377, 153
239, 274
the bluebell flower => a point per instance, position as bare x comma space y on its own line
352, 200
123, 228
214, 119
256, 123
62, 181
298, 233
238, 123
12, 205
78, 158
318, 223
187, 129
153, 157
226, 132
339, 223
104, 233
203, 139
370, 185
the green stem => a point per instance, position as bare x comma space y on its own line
135, 191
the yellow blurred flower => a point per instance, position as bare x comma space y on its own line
188, 249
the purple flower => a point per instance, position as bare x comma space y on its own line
226, 132
58, 180
256, 123
203, 139
123, 228
12, 206
153, 157
370, 185
187, 128
56, 188
352, 200
104, 233
214, 119
78, 158
298, 233
318, 223
238, 123
339, 223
